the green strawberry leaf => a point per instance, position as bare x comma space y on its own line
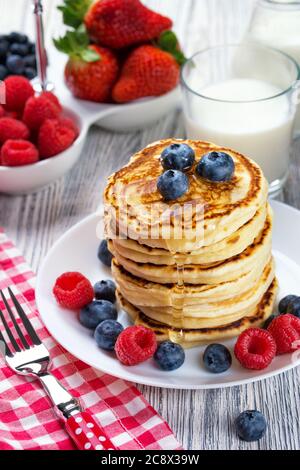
179, 56
168, 42
74, 11
76, 44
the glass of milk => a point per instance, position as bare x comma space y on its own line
276, 23
243, 97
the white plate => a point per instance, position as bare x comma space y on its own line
77, 250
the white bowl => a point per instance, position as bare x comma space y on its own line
123, 117
140, 113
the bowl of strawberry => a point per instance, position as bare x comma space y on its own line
37, 138
123, 56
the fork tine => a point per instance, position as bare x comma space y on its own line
26, 322
9, 333
7, 350
13, 319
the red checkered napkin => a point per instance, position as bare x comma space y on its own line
27, 420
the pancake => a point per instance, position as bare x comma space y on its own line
224, 249
195, 337
217, 210
257, 253
211, 313
141, 292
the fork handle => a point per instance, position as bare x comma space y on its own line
80, 425
87, 434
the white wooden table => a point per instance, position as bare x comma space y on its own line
200, 419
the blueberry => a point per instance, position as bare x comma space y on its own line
104, 254
177, 157
172, 184
30, 61
19, 49
216, 166
284, 303
17, 37
217, 358
106, 290
106, 334
251, 425
29, 73
3, 48
294, 307
269, 321
97, 311
169, 356
31, 47
15, 64
3, 72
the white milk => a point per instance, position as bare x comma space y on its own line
279, 28
261, 129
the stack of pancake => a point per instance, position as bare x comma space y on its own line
212, 279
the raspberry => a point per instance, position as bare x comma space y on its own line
37, 110
135, 344
54, 138
2, 111
53, 98
17, 91
18, 152
12, 129
67, 122
285, 330
13, 114
255, 348
73, 290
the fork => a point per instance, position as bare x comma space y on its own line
31, 358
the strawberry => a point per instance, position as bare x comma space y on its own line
148, 71
115, 23
91, 70
122, 23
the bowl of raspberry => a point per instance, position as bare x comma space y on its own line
40, 140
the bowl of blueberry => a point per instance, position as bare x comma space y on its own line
17, 56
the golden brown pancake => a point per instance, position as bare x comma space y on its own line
192, 337
217, 210
222, 250
210, 313
212, 273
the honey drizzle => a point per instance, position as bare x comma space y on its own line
176, 333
